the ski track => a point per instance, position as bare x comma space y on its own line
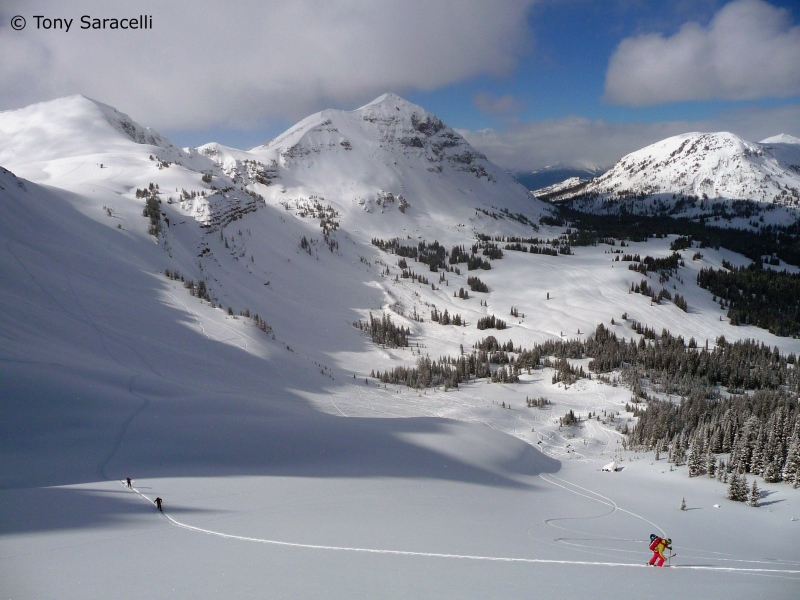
506, 559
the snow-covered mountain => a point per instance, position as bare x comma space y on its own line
289, 218
388, 156
553, 174
186, 318
554, 189
712, 166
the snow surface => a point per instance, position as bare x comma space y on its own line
283, 473
557, 187
712, 166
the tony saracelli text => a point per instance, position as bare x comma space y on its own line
90, 22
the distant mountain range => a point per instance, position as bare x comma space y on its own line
547, 176
389, 156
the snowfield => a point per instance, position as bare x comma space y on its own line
285, 470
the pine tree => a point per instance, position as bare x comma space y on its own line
680, 450
683, 503
742, 491
716, 441
772, 472
733, 487
755, 494
695, 461
711, 465
758, 460
791, 468
737, 488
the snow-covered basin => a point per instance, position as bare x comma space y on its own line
577, 532
440, 499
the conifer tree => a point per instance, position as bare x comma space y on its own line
683, 503
772, 472
743, 490
733, 487
791, 468
695, 461
755, 494
711, 465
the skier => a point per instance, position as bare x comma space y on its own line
128, 482
658, 545
158, 503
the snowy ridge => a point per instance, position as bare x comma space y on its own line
713, 166
387, 149
552, 190
70, 126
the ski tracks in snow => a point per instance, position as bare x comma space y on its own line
504, 559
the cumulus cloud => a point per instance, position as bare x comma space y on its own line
749, 50
208, 63
577, 141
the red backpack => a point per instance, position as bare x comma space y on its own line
653, 544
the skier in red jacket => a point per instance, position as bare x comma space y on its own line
658, 545
158, 503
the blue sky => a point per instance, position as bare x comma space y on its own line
564, 71
529, 82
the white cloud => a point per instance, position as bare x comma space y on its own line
208, 63
749, 50
583, 142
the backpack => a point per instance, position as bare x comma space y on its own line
654, 541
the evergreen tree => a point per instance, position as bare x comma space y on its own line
772, 472
711, 465
680, 450
791, 469
683, 503
742, 491
733, 487
755, 494
695, 461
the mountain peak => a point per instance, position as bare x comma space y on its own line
69, 126
781, 138
393, 101
715, 166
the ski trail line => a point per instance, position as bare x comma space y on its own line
605, 500
451, 556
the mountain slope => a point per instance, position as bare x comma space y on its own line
129, 347
713, 166
388, 156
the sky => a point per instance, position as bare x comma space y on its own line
531, 83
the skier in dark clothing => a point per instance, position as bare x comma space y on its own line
128, 481
158, 503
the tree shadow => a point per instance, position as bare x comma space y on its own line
771, 502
